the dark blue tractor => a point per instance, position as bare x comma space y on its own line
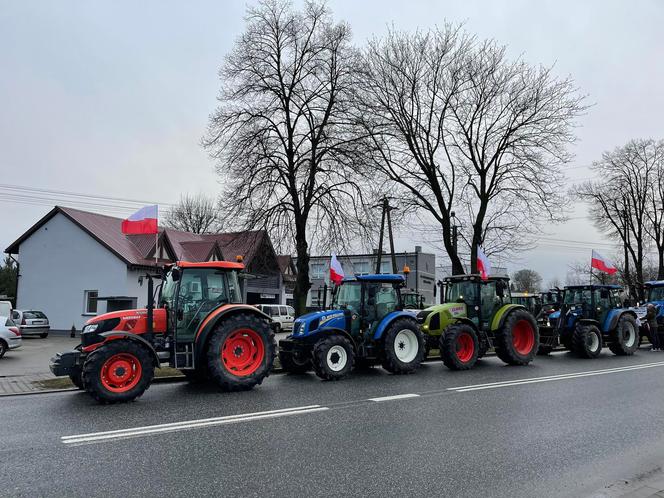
590, 317
654, 294
366, 325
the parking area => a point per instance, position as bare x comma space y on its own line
33, 356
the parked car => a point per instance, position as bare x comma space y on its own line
31, 322
10, 335
282, 316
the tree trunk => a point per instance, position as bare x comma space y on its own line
302, 283
450, 248
660, 262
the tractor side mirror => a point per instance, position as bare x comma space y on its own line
175, 274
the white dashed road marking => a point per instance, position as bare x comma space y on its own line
398, 396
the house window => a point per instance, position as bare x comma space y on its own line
318, 270
91, 302
385, 266
361, 268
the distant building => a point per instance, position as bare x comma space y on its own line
422, 276
75, 264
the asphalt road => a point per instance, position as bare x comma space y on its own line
559, 427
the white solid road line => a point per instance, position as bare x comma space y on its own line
551, 378
189, 424
397, 396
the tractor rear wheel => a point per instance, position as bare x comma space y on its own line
459, 347
587, 341
118, 371
293, 364
403, 347
625, 337
518, 339
333, 357
241, 352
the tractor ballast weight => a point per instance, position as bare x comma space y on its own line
367, 325
590, 317
478, 315
198, 326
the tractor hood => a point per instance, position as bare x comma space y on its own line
127, 320
312, 322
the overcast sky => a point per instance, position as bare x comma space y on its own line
112, 98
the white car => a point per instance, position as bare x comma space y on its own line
282, 316
10, 335
31, 322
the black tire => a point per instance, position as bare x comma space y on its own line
587, 341
233, 379
517, 340
333, 366
97, 361
77, 379
399, 340
544, 350
3, 348
196, 376
459, 347
292, 364
43, 336
625, 337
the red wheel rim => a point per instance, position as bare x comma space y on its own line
121, 372
523, 337
242, 352
465, 347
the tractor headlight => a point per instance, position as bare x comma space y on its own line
90, 328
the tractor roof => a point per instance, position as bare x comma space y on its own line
226, 265
473, 278
388, 278
594, 286
654, 283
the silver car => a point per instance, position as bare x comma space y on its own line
10, 335
31, 322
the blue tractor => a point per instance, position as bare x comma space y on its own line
654, 295
366, 325
590, 317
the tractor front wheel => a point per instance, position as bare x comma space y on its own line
625, 338
587, 341
403, 347
118, 371
241, 352
333, 357
77, 379
459, 347
518, 340
292, 364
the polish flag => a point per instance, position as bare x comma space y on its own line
601, 263
336, 271
142, 221
483, 264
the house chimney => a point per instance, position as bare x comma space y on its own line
418, 248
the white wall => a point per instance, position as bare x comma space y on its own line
59, 262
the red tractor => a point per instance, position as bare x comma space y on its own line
198, 326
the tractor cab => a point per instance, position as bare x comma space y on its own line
412, 300
532, 302
482, 298
655, 295
593, 302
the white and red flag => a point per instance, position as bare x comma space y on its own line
483, 264
142, 221
336, 271
601, 263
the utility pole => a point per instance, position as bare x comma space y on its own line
385, 205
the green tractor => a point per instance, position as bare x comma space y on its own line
478, 315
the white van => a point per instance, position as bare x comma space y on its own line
6, 309
282, 316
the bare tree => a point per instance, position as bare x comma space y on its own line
652, 152
195, 214
622, 202
281, 131
527, 280
459, 127
554, 283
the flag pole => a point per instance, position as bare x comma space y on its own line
156, 241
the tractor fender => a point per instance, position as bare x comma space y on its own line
209, 323
113, 335
614, 316
328, 331
389, 318
589, 321
502, 313
464, 321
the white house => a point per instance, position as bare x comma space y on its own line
75, 264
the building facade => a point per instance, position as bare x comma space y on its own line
75, 264
421, 278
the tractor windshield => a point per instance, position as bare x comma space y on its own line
348, 296
656, 294
464, 291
